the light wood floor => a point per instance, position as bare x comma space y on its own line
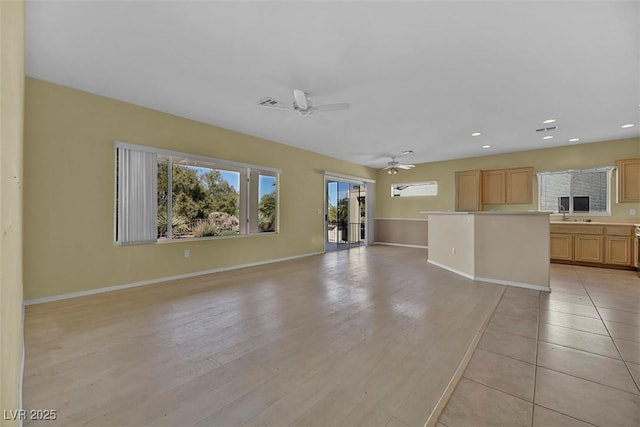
370, 336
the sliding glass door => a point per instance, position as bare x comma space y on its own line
345, 214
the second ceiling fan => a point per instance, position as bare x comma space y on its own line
393, 166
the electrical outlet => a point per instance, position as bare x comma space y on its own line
187, 253
632, 211
453, 251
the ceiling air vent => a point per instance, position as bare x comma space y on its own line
267, 102
547, 129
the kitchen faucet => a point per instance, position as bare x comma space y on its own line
564, 212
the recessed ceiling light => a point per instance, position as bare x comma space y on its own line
486, 146
574, 139
549, 121
405, 152
547, 137
476, 134
628, 125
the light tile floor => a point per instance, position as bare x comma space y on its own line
566, 358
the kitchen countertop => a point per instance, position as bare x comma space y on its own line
594, 223
530, 213
485, 213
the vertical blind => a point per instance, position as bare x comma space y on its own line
137, 197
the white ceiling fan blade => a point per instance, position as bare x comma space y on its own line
301, 99
274, 107
388, 167
406, 166
331, 107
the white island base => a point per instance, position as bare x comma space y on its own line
507, 248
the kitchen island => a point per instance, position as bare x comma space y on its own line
507, 248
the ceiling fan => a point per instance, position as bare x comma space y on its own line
301, 104
393, 166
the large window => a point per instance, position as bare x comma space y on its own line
267, 197
193, 196
415, 189
575, 191
205, 199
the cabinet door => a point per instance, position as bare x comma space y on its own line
587, 248
628, 180
493, 191
468, 185
618, 250
519, 185
561, 246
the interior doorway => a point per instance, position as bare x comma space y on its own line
345, 214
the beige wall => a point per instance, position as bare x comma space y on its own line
401, 231
69, 193
513, 248
11, 125
551, 159
452, 242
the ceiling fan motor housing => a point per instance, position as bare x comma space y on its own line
301, 100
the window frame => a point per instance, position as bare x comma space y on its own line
393, 196
606, 169
245, 193
253, 201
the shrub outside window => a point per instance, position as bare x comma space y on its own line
267, 202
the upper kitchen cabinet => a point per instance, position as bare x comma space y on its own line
468, 191
519, 185
513, 186
628, 180
493, 187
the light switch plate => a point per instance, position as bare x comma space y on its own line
632, 211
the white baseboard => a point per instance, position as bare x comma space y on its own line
402, 219
496, 281
21, 371
161, 279
401, 244
453, 270
516, 284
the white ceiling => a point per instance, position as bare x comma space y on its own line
419, 75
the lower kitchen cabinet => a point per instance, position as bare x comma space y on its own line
587, 248
592, 244
562, 246
618, 250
